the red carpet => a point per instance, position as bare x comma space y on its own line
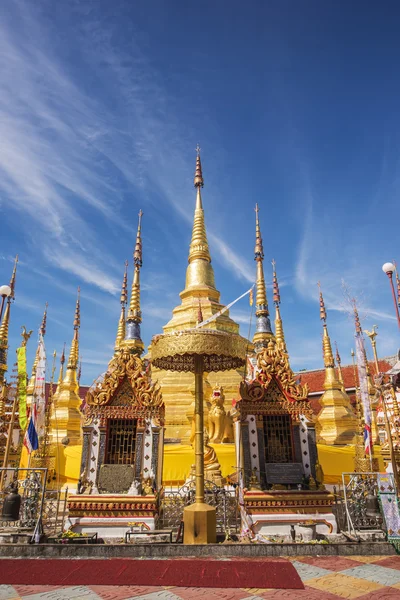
253, 573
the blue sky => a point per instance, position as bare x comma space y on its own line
295, 106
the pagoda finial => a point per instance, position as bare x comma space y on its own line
134, 318
199, 243
74, 350
263, 328
279, 335
326, 342
62, 362
322, 310
5, 324
124, 299
198, 174
44, 321
13, 278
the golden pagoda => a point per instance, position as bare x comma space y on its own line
336, 422
65, 422
200, 295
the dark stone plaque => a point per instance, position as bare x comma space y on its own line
115, 479
284, 473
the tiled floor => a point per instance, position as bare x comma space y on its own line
325, 578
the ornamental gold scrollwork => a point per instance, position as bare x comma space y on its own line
146, 396
275, 361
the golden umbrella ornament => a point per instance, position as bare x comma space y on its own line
199, 351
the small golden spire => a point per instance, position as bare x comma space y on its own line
326, 342
134, 312
62, 361
263, 327
279, 335
13, 278
133, 339
322, 310
198, 174
124, 298
356, 319
74, 350
261, 293
339, 367
44, 321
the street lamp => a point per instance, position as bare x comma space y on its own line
5, 292
389, 269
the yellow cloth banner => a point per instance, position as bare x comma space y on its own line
21, 359
336, 460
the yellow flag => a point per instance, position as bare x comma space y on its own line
21, 358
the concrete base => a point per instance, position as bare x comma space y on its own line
108, 527
174, 550
200, 524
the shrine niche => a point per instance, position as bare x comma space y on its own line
276, 449
123, 421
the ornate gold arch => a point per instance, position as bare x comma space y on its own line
146, 397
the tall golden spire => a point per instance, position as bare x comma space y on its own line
336, 422
66, 419
339, 367
279, 335
199, 272
124, 299
73, 358
5, 324
263, 331
133, 339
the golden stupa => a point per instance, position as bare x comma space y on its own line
200, 295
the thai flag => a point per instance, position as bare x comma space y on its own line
367, 439
31, 440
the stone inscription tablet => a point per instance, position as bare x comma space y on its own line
284, 473
115, 479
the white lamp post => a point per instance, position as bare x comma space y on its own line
5, 292
389, 269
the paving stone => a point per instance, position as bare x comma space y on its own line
377, 573
344, 586
309, 571
7, 592
332, 563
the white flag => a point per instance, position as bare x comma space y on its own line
39, 394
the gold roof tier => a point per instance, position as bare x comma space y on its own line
221, 351
200, 281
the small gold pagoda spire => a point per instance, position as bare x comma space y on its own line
13, 278
133, 339
339, 367
124, 299
5, 324
65, 420
73, 358
336, 421
279, 335
62, 361
263, 327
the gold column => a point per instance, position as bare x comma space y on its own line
199, 427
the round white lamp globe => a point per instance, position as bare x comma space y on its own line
388, 268
5, 290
